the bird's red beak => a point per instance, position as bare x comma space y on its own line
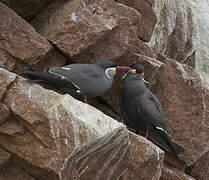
123, 68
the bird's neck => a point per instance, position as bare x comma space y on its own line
135, 88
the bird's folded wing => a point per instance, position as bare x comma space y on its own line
150, 110
82, 76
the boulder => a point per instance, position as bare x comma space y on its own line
28, 9
21, 46
13, 172
6, 81
199, 169
120, 154
4, 112
200, 37
148, 17
173, 32
185, 103
74, 26
48, 128
169, 173
4, 157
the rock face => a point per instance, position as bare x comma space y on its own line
21, 46
201, 37
200, 169
169, 173
174, 30
114, 156
186, 116
76, 28
27, 8
47, 127
46, 135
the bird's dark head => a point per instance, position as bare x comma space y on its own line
136, 73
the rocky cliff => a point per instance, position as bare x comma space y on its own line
45, 134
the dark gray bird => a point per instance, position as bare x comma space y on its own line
143, 112
82, 81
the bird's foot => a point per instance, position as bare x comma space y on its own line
147, 133
85, 100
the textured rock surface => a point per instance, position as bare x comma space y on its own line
47, 127
27, 8
40, 129
80, 24
201, 37
20, 45
169, 173
180, 91
148, 17
13, 172
120, 154
4, 157
200, 170
174, 29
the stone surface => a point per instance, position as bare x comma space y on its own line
41, 129
4, 157
148, 17
169, 173
4, 113
185, 103
174, 30
75, 26
13, 172
48, 127
200, 37
200, 170
20, 45
27, 8
5, 81
119, 154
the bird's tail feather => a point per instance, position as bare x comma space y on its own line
45, 76
55, 81
163, 139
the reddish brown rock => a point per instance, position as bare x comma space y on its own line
4, 113
20, 44
199, 169
13, 172
4, 157
27, 8
5, 81
169, 173
119, 154
47, 127
148, 17
76, 25
179, 89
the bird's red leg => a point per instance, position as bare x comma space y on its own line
85, 100
147, 133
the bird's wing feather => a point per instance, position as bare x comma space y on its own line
150, 110
83, 76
